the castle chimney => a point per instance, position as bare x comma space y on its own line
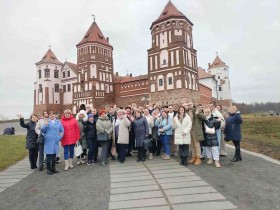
107, 39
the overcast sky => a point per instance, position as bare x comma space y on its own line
244, 33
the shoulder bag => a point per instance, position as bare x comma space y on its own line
209, 130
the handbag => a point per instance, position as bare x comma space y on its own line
148, 143
40, 139
78, 150
102, 137
209, 130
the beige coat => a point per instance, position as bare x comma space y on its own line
123, 131
104, 125
185, 127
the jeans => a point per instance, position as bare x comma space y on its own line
67, 149
104, 153
41, 155
166, 144
33, 156
91, 147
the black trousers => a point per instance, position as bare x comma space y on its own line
158, 145
184, 150
141, 152
110, 147
237, 149
41, 155
33, 156
121, 148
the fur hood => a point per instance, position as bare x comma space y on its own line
85, 115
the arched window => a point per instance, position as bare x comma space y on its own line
40, 88
160, 82
56, 88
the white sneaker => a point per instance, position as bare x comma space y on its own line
78, 162
83, 162
210, 161
151, 156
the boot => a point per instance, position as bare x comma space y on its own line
53, 167
217, 164
237, 156
210, 161
185, 161
181, 160
66, 165
143, 155
49, 171
192, 161
71, 163
197, 161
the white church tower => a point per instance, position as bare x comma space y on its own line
221, 72
47, 88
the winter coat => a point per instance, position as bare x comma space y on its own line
165, 124
103, 124
211, 140
124, 126
53, 133
218, 114
31, 136
39, 125
71, 131
90, 130
141, 130
197, 120
82, 140
233, 127
155, 130
185, 127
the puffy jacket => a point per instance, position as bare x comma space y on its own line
90, 130
71, 131
31, 136
211, 140
233, 127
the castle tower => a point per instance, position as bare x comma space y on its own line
95, 70
172, 60
47, 88
221, 72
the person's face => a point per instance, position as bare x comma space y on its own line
46, 114
232, 110
199, 108
137, 114
186, 106
128, 112
91, 119
81, 116
52, 115
94, 111
163, 114
120, 115
170, 109
103, 115
181, 110
207, 112
190, 105
218, 108
157, 109
211, 106
34, 118
146, 112
67, 114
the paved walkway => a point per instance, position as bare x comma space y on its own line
161, 185
14, 174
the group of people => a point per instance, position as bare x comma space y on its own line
122, 131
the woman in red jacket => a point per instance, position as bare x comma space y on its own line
71, 136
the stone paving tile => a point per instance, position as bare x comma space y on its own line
161, 163
189, 190
19, 169
135, 178
178, 179
8, 180
16, 176
221, 205
4, 173
2, 189
167, 167
183, 169
126, 168
137, 203
5, 185
133, 184
152, 208
184, 184
127, 171
195, 198
134, 189
137, 195
179, 174
144, 173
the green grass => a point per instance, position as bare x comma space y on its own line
265, 130
12, 149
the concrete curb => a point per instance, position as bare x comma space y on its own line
257, 155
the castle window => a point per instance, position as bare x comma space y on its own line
40, 88
56, 74
169, 80
63, 74
220, 88
47, 73
68, 73
64, 88
40, 74
69, 88
164, 62
56, 88
160, 82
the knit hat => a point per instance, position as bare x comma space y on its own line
101, 112
90, 115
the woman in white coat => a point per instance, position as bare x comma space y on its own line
182, 124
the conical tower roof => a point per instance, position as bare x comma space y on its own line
170, 11
49, 57
94, 34
217, 63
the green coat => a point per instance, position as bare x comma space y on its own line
197, 120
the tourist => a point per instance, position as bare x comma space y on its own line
104, 125
111, 116
182, 125
197, 117
173, 147
70, 138
223, 147
141, 132
90, 133
38, 128
164, 124
82, 117
130, 117
95, 152
31, 138
156, 149
211, 142
150, 121
233, 131
53, 132
121, 134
